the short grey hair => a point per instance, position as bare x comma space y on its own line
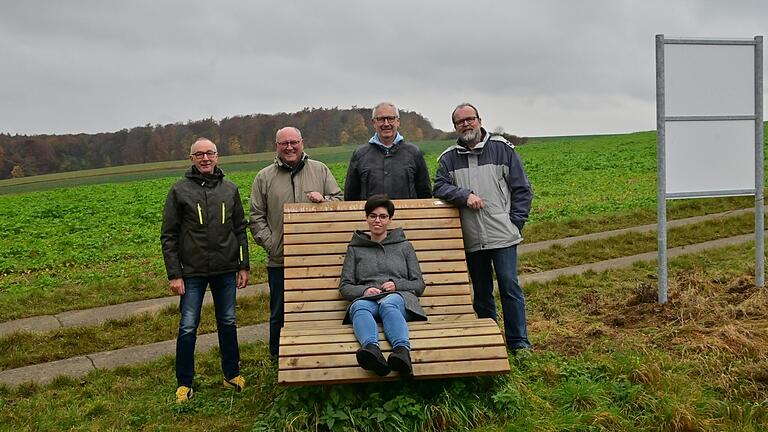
201, 139
381, 104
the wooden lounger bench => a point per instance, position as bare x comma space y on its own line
316, 348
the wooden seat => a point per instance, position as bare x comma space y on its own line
316, 348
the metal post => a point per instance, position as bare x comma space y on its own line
661, 178
759, 167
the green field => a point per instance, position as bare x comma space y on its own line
91, 245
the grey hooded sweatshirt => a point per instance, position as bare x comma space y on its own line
369, 264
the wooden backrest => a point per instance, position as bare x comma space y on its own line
316, 238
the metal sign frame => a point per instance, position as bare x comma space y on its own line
662, 119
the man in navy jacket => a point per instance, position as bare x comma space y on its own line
483, 175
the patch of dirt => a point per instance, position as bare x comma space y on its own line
703, 313
567, 345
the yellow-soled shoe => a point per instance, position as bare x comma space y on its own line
183, 394
237, 383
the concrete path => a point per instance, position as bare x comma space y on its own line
534, 247
81, 365
99, 315
624, 262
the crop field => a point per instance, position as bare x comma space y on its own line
91, 245
606, 356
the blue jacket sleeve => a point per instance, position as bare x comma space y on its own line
445, 187
520, 191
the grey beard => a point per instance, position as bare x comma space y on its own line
470, 137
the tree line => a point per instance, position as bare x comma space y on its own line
28, 155
22, 155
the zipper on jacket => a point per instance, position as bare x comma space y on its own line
241, 253
223, 213
200, 213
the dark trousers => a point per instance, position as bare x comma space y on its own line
276, 276
504, 260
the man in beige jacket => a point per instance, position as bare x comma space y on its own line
292, 178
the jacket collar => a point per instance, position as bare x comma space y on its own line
195, 175
292, 169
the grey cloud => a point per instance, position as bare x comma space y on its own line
546, 67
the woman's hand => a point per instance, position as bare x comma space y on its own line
372, 291
388, 286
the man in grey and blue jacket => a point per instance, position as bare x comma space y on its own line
484, 176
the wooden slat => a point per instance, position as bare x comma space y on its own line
421, 371
338, 259
334, 294
334, 322
417, 356
329, 305
446, 310
337, 329
421, 332
339, 314
353, 216
324, 237
338, 248
348, 227
416, 344
320, 283
333, 206
324, 271
314, 306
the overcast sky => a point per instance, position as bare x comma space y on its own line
534, 68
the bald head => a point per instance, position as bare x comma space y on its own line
208, 143
290, 145
204, 155
285, 131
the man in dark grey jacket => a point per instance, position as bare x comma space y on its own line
205, 243
483, 175
387, 164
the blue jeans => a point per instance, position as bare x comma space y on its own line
276, 277
391, 312
512, 299
190, 304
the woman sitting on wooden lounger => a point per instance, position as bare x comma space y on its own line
382, 279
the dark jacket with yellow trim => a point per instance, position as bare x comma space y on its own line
204, 227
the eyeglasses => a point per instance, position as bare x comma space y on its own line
382, 120
200, 155
292, 143
382, 217
469, 120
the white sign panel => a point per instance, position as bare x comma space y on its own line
710, 156
709, 80
706, 156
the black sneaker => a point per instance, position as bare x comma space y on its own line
400, 360
370, 358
